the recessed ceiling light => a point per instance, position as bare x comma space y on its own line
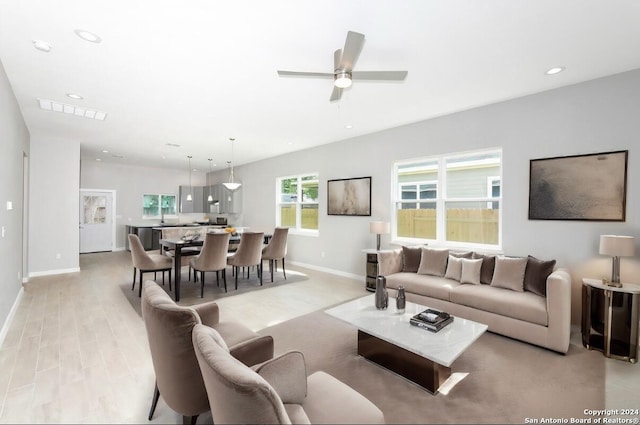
50, 105
348, 126
43, 46
74, 96
105, 151
98, 159
88, 36
555, 70
290, 143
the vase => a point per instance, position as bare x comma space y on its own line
382, 297
401, 300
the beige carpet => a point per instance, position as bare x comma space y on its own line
507, 382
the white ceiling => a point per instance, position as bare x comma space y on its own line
196, 72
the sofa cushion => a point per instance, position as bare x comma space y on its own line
488, 265
429, 286
525, 306
470, 272
461, 254
454, 268
536, 274
411, 258
433, 261
509, 273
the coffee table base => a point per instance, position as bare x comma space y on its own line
417, 369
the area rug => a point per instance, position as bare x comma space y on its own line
190, 290
508, 381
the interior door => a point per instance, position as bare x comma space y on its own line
96, 221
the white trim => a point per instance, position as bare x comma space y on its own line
12, 313
52, 272
326, 270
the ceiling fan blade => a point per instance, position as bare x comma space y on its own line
351, 52
335, 94
305, 74
337, 56
379, 75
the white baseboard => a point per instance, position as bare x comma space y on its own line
327, 270
120, 248
12, 313
52, 272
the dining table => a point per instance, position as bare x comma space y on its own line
178, 244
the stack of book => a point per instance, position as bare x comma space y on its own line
431, 319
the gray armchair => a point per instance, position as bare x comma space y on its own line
277, 391
178, 376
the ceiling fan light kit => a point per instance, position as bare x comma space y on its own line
344, 61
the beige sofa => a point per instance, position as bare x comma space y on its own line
503, 301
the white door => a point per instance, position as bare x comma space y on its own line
96, 221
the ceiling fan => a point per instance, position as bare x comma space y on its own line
344, 61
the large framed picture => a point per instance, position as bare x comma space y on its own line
349, 196
579, 187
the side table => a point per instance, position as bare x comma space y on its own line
610, 319
372, 269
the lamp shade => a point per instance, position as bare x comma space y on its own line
617, 246
379, 227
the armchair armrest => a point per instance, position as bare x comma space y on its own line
287, 374
253, 351
209, 313
389, 262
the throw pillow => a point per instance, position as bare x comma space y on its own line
433, 261
488, 265
454, 268
509, 273
411, 258
461, 254
536, 274
470, 272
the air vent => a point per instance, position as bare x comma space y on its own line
50, 105
173, 145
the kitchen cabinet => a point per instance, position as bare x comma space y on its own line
197, 203
228, 202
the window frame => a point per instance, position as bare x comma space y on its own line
442, 199
299, 202
160, 215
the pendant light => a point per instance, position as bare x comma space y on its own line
189, 197
231, 185
210, 198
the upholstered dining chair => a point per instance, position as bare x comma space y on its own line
277, 391
249, 253
276, 250
178, 376
144, 262
212, 258
185, 253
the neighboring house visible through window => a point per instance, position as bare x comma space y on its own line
452, 199
297, 202
157, 206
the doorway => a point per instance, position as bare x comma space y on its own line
97, 228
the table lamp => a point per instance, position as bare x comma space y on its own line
616, 246
379, 228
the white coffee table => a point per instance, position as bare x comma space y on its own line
386, 338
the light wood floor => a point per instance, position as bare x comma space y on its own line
76, 351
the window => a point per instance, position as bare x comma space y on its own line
451, 199
157, 206
297, 202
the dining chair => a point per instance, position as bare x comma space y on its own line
144, 262
178, 376
249, 253
212, 258
185, 253
276, 250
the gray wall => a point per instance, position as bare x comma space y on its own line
14, 144
596, 116
130, 184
